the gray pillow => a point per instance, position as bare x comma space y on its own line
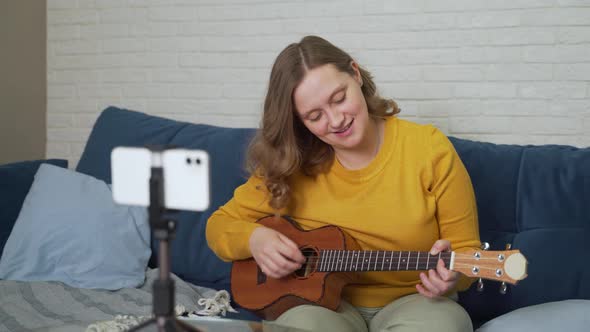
70, 230
567, 315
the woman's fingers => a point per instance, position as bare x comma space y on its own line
269, 268
283, 264
432, 282
440, 246
422, 290
276, 254
290, 250
437, 282
444, 273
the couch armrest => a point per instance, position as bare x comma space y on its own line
15, 182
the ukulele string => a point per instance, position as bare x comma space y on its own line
338, 257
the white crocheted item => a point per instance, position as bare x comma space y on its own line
218, 304
120, 323
213, 306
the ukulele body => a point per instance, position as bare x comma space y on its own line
269, 297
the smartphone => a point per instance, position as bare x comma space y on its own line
185, 172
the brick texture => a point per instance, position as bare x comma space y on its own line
508, 71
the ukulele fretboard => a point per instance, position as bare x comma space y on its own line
371, 260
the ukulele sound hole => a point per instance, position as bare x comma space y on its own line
310, 264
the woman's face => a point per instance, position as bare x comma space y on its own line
331, 105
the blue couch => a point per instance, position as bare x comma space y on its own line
534, 197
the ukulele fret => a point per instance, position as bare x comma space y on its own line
333, 260
390, 261
346, 261
376, 259
334, 257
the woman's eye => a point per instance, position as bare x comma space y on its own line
316, 117
340, 100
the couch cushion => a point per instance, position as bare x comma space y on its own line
116, 127
78, 236
226, 148
190, 253
568, 315
532, 197
15, 182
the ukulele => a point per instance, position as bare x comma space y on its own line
333, 260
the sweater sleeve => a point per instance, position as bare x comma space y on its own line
456, 209
229, 228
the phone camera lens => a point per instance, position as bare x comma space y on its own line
198, 161
188, 160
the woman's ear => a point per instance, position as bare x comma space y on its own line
357, 72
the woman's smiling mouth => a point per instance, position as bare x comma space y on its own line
346, 130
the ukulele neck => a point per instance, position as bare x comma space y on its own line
371, 260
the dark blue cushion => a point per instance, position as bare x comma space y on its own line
15, 182
192, 260
533, 197
115, 127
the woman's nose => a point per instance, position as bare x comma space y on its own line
336, 119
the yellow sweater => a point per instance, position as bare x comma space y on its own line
413, 193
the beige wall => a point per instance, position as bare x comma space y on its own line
23, 84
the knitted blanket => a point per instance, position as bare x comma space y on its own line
54, 306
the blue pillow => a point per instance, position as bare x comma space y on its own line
15, 181
70, 230
567, 315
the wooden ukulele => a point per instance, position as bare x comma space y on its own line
334, 260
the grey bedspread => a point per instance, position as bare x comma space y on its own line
54, 306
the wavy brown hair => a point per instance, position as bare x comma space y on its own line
283, 145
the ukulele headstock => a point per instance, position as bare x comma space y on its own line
507, 266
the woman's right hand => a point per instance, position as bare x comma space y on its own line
276, 254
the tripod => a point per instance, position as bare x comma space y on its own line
163, 228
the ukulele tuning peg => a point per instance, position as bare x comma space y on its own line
480, 285
503, 286
485, 246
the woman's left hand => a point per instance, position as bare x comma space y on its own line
438, 282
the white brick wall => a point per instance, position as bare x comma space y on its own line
506, 71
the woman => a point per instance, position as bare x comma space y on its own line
331, 151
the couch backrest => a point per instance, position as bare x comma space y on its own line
534, 197
192, 259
